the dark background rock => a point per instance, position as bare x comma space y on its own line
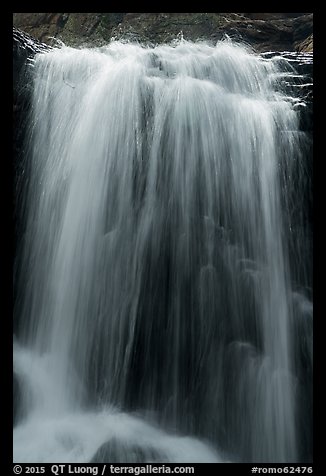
24, 48
263, 31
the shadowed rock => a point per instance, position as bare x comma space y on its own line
263, 31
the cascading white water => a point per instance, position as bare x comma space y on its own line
156, 277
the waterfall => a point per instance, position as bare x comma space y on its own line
164, 305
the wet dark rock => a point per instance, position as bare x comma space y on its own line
72, 28
24, 49
302, 33
263, 31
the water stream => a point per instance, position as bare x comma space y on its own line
164, 313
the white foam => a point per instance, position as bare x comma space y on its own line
75, 438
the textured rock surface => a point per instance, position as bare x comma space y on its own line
264, 31
72, 28
305, 46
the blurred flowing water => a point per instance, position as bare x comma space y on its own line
164, 276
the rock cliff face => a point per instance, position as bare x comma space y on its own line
263, 31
